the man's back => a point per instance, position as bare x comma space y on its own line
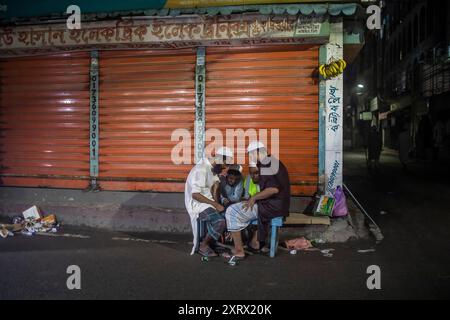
200, 180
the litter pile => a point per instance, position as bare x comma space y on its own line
30, 224
303, 244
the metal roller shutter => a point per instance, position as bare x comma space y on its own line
269, 88
144, 97
44, 121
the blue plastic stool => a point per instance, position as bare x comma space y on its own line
275, 224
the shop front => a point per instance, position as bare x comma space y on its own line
103, 105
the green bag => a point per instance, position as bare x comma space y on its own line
325, 206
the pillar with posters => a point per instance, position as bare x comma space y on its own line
334, 112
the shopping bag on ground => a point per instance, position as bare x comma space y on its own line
340, 206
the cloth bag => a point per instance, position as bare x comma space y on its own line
298, 244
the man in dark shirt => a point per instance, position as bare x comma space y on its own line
273, 200
275, 196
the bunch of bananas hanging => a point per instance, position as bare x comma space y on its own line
332, 69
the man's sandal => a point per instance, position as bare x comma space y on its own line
228, 255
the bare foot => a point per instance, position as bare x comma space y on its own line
255, 245
240, 254
206, 251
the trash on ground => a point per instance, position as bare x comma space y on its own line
17, 220
33, 222
4, 233
293, 252
366, 251
50, 219
326, 251
298, 244
383, 213
32, 213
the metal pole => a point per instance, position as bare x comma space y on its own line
360, 206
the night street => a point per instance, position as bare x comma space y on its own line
413, 257
215, 150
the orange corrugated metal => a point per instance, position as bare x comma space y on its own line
144, 97
44, 126
269, 88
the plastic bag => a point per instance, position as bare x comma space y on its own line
340, 207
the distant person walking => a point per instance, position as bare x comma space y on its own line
438, 138
374, 147
404, 146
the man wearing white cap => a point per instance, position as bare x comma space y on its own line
199, 201
271, 201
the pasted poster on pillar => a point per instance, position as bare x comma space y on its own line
334, 119
333, 165
333, 135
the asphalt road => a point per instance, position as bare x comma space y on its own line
414, 257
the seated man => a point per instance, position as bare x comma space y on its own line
238, 218
231, 188
272, 201
201, 183
251, 186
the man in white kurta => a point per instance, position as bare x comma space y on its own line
200, 202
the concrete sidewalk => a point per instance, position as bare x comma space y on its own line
150, 212
118, 211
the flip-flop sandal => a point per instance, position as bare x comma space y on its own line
228, 255
253, 250
209, 253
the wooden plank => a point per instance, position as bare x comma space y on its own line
300, 218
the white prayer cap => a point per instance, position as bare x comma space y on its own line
225, 152
252, 165
255, 145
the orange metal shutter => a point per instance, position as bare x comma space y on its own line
144, 97
269, 88
44, 112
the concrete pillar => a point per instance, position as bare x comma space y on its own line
334, 112
94, 114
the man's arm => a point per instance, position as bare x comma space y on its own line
265, 194
202, 199
215, 191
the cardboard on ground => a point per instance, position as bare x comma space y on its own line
32, 213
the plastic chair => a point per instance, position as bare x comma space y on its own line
275, 224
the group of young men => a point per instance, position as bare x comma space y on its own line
217, 195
